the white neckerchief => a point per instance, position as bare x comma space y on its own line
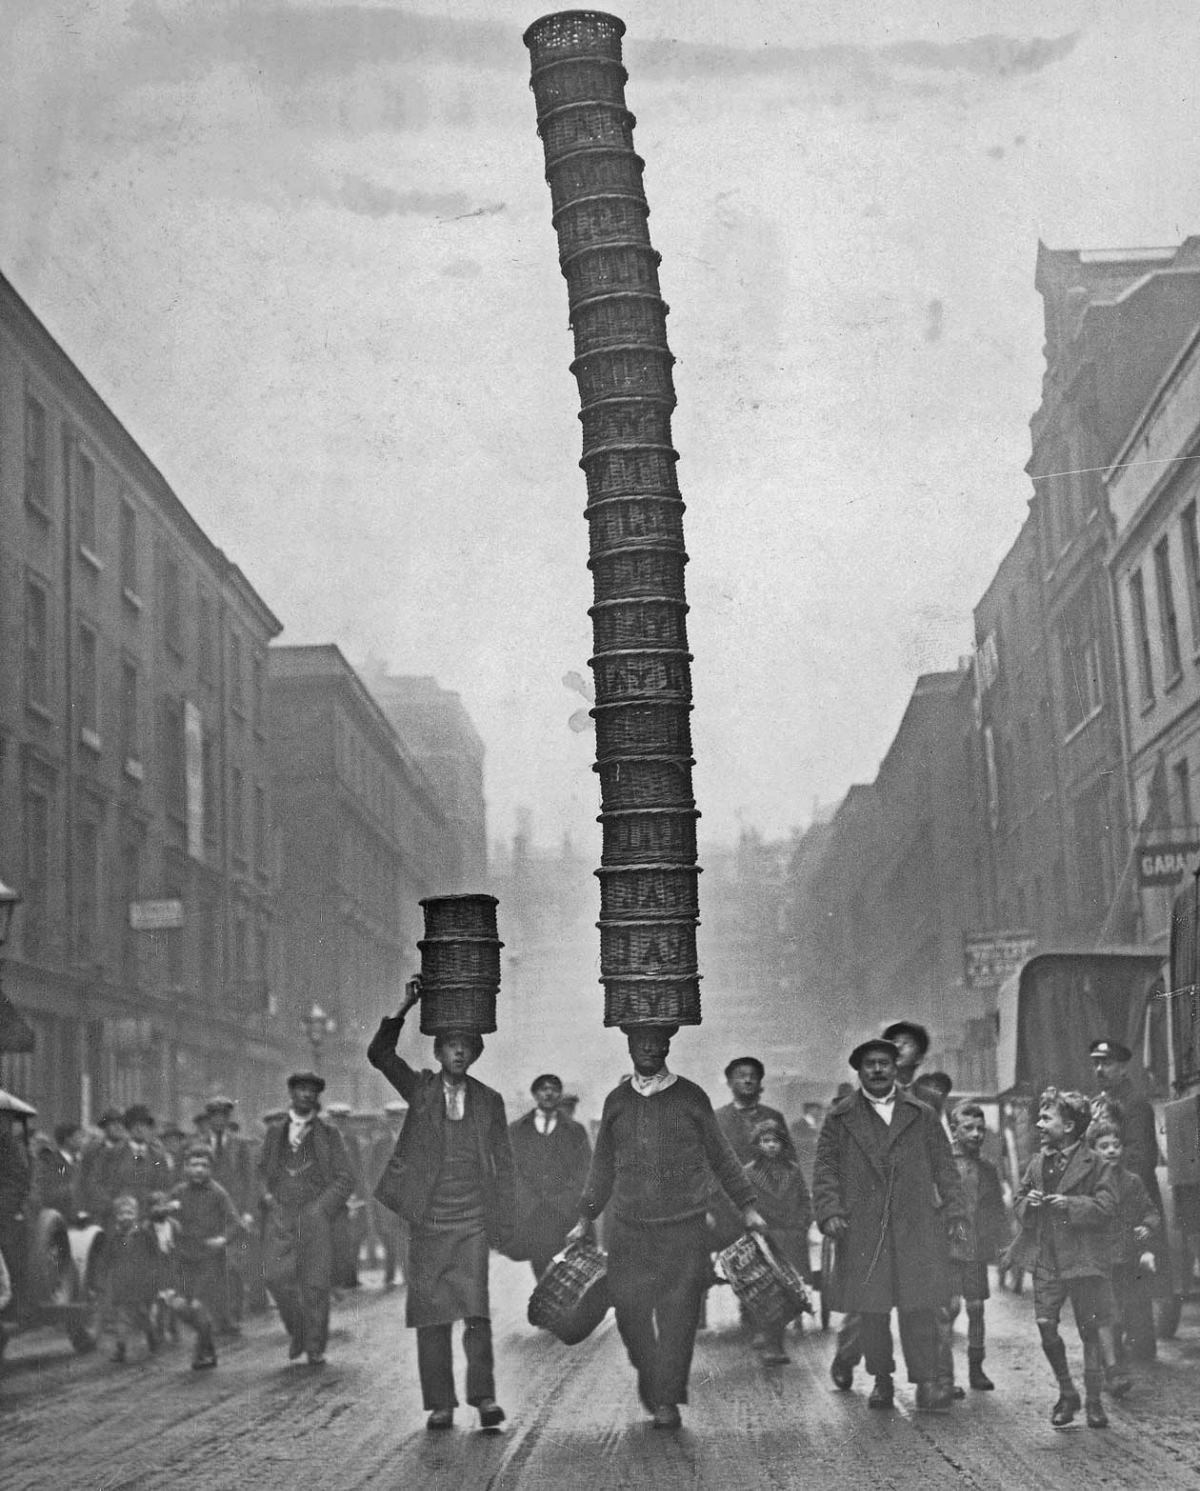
455, 1099
297, 1128
646, 1087
545, 1123
884, 1106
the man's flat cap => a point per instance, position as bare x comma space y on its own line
297, 1079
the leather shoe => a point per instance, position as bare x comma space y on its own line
1118, 1382
440, 1418
842, 1374
667, 1416
934, 1397
1065, 1410
882, 1394
295, 1349
1094, 1414
491, 1415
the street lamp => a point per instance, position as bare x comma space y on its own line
316, 1026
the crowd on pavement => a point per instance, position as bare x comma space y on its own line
201, 1227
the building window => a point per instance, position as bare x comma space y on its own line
1094, 850
130, 878
36, 886
36, 485
1183, 791
172, 598
210, 950
1080, 657
256, 700
1167, 620
87, 888
37, 645
130, 742
237, 789
129, 549
260, 829
240, 949
1191, 559
83, 483
1141, 637
87, 686
237, 697
174, 759
208, 776
204, 639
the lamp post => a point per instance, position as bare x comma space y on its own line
316, 1026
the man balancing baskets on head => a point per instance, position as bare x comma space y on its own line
657, 1150
451, 1179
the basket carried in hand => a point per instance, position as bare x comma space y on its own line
571, 1297
764, 1281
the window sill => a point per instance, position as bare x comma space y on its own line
134, 769
91, 739
131, 598
91, 558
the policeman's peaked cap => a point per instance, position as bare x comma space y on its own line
1111, 1051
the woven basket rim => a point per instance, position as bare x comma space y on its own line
667, 810
644, 652
460, 896
669, 498
459, 941
611, 446
639, 245
639, 600
572, 59
650, 978
656, 865
649, 921
545, 115
669, 703
611, 348
608, 196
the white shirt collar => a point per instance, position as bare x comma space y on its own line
297, 1126
455, 1095
646, 1087
545, 1123
888, 1098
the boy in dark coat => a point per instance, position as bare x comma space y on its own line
451, 1180
208, 1221
132, 1276
1134, 1230
785, 1207
1066, 1205
986, 1233
551, 1154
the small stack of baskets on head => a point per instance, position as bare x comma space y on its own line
460, 964
642, 667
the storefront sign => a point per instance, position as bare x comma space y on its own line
1167, 863
991, 957
155, 916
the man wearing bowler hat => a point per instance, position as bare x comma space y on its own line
658, 1154
886, 1190
307, 1181
451, 1180
912, 1042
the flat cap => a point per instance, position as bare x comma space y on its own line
220, 1104
297, 1079
876, 1043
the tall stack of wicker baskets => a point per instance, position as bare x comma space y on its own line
460, 964
642, 667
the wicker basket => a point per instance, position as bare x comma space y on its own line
460, 960
635, 891
459, 1007
642, 673
642, 730
583, 123
630, 471
604, 218
460, 916
571, 1298
666, 947
637, 570
626, 421
573, 33
596, 169
631, 369
644, 621
646, 782
766, 1284
656, 516
602, 267
651, 1001
633, 836
622, 317
567, 79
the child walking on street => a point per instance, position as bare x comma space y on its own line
132, 1275
1133, 1231
785, 1206
1065, 1205
207, 1221
986, 1233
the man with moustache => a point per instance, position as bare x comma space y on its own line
657, 1152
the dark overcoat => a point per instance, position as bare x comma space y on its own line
1074, 1242
899, 1190
410, 1177
551, 1170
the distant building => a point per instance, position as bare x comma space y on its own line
363, 836
440, 736
134, 785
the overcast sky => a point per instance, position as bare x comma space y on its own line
305, 252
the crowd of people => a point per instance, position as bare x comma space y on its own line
893, 1176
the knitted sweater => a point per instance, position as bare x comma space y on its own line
655, 1157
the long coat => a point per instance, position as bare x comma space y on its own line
1075, 1242
898, 1188
408, 1183
551, 1170
337, 1179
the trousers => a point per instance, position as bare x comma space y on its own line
918, 1340
435, 1363
656, 1279
299, 1273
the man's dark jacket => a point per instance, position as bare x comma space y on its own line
410, 1178
551, 1170
337, 1179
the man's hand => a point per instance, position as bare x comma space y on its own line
835, 1227
1059, 1203
1141, 1234
581, 1231
753, 1220
1034, 1198
412, 995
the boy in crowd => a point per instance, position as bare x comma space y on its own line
132, 1277
1066, 1205
786, 1208
1134, 1229
986, 1232
207, 1221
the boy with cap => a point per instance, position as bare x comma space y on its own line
987, 1231
307, 1180
1134, 1228
886, 1191
207, 1223
551, 1154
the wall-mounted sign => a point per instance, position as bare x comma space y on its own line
155, 916
1166, 863
991, 957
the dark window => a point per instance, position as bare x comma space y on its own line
172, 599
1141, 637
260, 828
36, 886
87, 683
129, 546
129, 711
37, 644
1080, 655
36, 485
1191, 559
204, 639
237, 791
256, 684
83, 481
208, 774
130, 873
87, 889
1094, 851
174, 759
1183, 790
237, 697
1167, 620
